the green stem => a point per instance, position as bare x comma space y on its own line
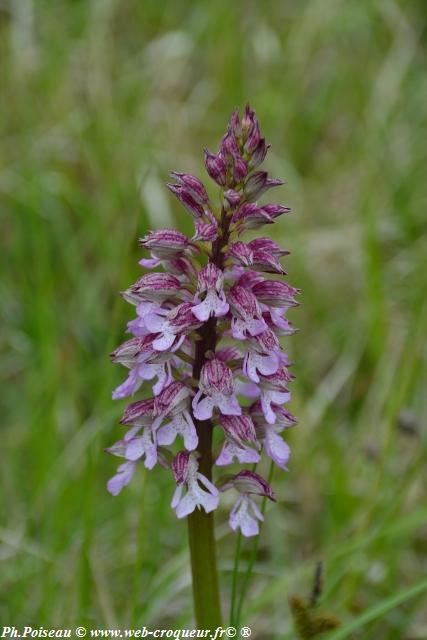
201, 536
207, 606
204, 571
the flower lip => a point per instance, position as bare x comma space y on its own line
210, 280
245, 516
240, 436
200, 491
216, 382
246, 313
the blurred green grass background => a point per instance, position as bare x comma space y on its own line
100, 100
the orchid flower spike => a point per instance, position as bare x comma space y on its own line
207, 339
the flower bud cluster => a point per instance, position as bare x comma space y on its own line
207, 338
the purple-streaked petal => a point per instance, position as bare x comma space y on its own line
165, 242
139, 413
184, 196
250, 482
153, 287
205, 231
216, 377
215, 166
181, 466
193, 185
275, 293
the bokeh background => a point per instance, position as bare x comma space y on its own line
100, 100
